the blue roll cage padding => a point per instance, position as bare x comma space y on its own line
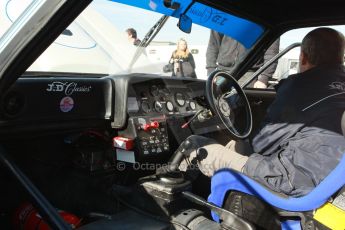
226, 180
242, 30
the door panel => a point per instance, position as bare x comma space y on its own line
259, 101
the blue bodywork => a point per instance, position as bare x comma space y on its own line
244, 31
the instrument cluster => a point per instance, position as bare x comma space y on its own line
164, 99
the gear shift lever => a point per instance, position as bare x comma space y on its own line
179, 155
171, 174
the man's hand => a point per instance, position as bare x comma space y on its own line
260, 85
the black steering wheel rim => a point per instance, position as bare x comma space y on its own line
210, 96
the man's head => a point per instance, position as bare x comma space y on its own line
322, 46
132, 34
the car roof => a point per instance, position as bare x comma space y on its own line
285, 14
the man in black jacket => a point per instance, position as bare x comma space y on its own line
300, 141
223, 52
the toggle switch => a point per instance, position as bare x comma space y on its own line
154, 124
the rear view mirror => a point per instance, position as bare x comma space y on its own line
185, 23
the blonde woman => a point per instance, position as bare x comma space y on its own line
182, 61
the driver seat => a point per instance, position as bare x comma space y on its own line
318, 199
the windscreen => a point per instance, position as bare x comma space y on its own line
106, 38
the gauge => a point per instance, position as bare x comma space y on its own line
192, 105
154, 91
145, 106
158, 106
170, 106
180, 100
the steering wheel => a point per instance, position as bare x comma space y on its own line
228, 100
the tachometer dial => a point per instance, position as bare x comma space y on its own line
170, 106
180, 99
158, 106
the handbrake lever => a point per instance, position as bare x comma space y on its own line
229, 220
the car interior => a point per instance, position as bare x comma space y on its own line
93, 150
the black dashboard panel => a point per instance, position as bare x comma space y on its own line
47, 99
152, 110
49, 103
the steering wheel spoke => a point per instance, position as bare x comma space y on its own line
227, 99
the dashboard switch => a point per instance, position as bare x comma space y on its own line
154, 124
146, 127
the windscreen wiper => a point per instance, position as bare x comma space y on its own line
151, 34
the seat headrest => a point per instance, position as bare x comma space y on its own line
343, 123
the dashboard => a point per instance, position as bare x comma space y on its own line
148, 109
112, 98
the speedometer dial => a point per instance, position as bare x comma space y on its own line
180, 99
158, 106
170, 106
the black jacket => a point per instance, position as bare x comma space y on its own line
301, 140
223, 52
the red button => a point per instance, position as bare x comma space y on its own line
154, 124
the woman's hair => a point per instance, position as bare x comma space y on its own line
179, 53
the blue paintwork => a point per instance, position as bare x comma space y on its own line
244, 31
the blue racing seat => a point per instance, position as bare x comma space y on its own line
226, 180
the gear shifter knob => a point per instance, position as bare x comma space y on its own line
185, 145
